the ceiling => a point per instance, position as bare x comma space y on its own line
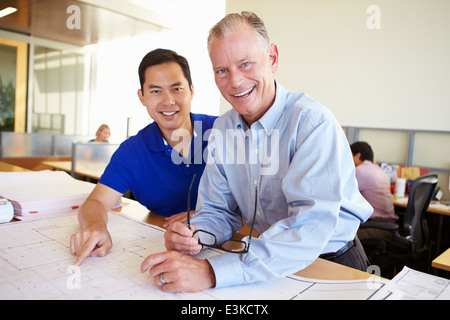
101, 20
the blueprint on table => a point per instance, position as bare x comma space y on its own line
36, 263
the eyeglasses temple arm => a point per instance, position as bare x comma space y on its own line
188, 223
254, 216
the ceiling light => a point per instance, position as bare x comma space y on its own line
7, 11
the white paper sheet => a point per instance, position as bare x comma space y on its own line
43, 192
36, 263
411, 284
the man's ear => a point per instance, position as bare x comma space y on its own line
141, 96
273, 57
192, 91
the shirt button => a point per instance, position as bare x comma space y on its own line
255, 182
258, 213
187, 166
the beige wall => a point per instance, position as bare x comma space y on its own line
393, 77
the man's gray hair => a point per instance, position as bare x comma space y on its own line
233, 20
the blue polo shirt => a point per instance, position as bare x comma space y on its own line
157, 175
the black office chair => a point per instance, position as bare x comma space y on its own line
406, 244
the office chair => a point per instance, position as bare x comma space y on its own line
408, 243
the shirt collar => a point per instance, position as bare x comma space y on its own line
155, 141
166, 143
271, 117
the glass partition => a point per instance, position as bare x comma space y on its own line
62, 144
431, 149
37, 144
26, 145
91, 157
387, 145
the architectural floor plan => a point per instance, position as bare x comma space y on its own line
36, 263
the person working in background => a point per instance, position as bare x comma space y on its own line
102, 134
374, 185
158, 163
297, 186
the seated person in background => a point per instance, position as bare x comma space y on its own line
374, 185
156, 165
102, 134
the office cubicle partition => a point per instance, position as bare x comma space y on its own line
91, 159
416, 148
36, 145
26, 145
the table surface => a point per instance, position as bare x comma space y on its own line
442, 261
60, 165
67, 166
437, 207
6, 167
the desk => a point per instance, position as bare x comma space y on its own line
59, 165
67, 166
322, 269
437, 207
443, 261
6, 167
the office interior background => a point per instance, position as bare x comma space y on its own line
381, 66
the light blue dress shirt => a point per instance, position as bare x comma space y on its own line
308, 199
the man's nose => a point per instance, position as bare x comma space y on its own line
168, 99
236, 78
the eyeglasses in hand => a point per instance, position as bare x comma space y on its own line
208, 239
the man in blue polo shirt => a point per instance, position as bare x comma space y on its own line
156, 165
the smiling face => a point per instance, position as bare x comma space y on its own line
244, 71
167, 96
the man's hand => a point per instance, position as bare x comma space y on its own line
91, 241
178, 237
94, 238
180, 217
179, 273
